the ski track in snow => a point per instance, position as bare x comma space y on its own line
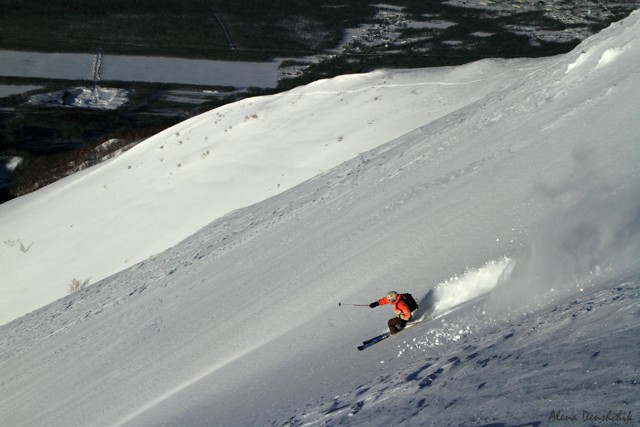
391, 76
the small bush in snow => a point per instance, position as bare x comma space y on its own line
76, 285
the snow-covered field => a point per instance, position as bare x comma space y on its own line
79, 66
511, 188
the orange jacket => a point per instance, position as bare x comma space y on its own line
400, 307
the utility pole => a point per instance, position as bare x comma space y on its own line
97, 69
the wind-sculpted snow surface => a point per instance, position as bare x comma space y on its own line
473, 182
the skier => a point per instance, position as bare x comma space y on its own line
400, 308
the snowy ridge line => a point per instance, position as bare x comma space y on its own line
386, 85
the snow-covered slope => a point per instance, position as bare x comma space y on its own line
515, 177
107, 218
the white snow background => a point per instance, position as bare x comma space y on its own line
219, 250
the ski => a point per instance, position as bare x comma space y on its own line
368, 343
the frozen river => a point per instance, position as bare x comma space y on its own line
79, 66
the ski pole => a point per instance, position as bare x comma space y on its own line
356, 305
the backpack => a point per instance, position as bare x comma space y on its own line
411, 303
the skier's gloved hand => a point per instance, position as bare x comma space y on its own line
374, 304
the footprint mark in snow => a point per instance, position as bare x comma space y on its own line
430, 379
450, 404
356, 408
414, 375
455, 361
